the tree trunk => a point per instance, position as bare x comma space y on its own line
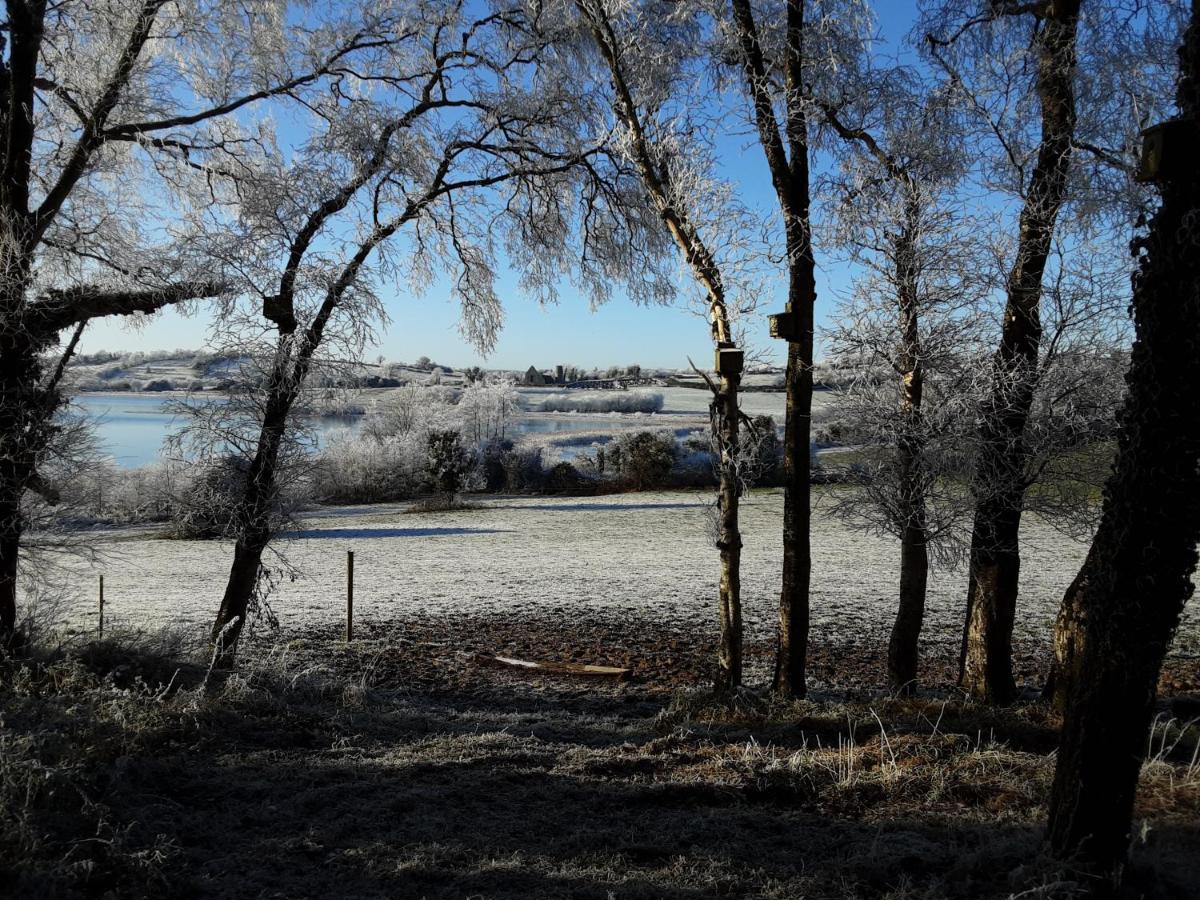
10, 546
999, 483
254, 510
903, 648
903, 654
1068, 637
725, 420
21, 432
791, 655
1138, 573
986, 657
235, 604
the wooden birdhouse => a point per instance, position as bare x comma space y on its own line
783, 326
729, 359
1167, 148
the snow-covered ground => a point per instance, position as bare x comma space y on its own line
630, 555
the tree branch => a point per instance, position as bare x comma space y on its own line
62, 308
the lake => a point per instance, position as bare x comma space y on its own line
132, 427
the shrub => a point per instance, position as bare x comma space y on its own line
644, 459
524, 471
159, 384
447, 461
564, 478
490, 460
205, 509
764, 451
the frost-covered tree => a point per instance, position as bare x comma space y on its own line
650, 56
784, 54
451, 144
1131, 589
115, 116
910, 330
1056, 93
486, 409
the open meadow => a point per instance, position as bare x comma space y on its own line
408, 764
643, 557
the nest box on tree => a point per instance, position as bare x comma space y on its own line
784, 325
1167, 148
729, 359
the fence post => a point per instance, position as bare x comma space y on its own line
101, 607
349, 596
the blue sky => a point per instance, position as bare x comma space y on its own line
618, 333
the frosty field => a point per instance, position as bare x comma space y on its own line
626, 557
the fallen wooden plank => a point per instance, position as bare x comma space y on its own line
560, 668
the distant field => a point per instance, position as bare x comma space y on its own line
631, 556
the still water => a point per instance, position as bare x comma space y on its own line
132, 427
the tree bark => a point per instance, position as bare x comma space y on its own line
22, 429
791, 655
10, 546
786, 152
729, 655
1128, 597
252, 516
999, 483
903, 647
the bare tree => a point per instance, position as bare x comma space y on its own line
995, 553
656, 143
454, 138
1128, 596
913, 315
97, 94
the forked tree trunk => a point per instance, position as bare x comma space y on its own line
729, 542
1137, 576
999, 483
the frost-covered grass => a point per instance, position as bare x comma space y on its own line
400, 767
641, 556
604, 402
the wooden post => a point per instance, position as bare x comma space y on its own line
349, 596
101, 607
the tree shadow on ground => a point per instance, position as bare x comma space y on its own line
599, 507
401, 795
369, 533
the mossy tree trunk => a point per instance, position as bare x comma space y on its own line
1126, 602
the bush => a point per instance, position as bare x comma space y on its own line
764, 451
610, 402
564, 478
447, 461
206, 508
159, 384
644, 459
490, 460
524, 471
